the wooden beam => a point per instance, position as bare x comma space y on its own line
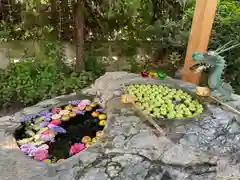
202, 23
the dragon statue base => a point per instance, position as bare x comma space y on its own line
216, 64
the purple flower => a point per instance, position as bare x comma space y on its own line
49, 114
47, 137
82, 112
100, 110
28, 148
43, 124
46, 118
74, 102
43, 113
57, 129
28, 117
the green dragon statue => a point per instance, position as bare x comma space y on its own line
216, 63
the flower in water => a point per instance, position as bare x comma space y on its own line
47, 132
41, 154
100, 110
28, 148
28, 117
43, 113
44, 146
47, 137
76, 148
74, 102
47, 118
49, 114
56, 122
56, 110
82, 112
43, 124
57, 129
86, 102
81, 106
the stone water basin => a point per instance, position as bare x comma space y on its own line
56, 134
169, 105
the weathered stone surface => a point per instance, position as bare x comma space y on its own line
206, 148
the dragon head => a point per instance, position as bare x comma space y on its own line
203, 60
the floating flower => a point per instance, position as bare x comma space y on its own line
88, 108
43, 113
65, 118
43, 124
72, 114
93, 105
102, 123
74, 102
56, 122
99, 133
28, 117
82, 112
86, 139
56, 110
102, 117
86, 102
57, 129
64, 112
81, 106
95, 114
47, 118
44, 146
69, 107
56, 116
47, 161
47, 132
47, 137
41, 154
75, 108
100, 110
94, 139
76, 148
28, 148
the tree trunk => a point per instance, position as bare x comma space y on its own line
80, 65
54, 13
65, 19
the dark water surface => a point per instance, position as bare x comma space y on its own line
77, 128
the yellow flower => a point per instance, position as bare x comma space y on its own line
102, 117
102, 123
47, 161
94, 139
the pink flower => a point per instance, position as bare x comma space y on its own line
86, 102
56, 110
41, 154
76, 148
47, 132
55, 122
81, 106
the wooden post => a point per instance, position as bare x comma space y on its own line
202, 23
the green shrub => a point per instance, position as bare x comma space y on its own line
29, 83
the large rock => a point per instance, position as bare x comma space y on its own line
206, 149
